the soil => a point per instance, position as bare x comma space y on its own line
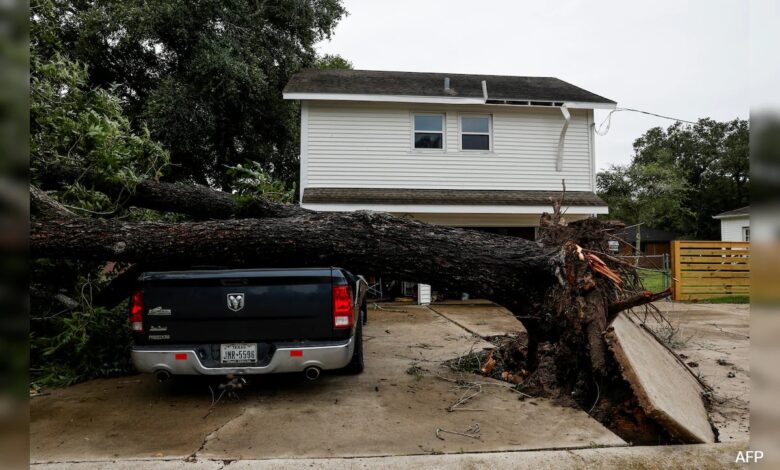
626, 420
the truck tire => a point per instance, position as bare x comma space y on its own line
356, 365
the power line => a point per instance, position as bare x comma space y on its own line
600, 130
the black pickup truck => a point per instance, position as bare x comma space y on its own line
257, 321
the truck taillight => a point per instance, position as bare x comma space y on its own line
136, 312
342, 307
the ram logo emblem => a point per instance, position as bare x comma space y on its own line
235, 302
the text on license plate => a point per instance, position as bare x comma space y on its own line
238, 352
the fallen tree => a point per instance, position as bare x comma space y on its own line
200, 202
564, 290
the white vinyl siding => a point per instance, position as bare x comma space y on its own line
731, 229
367, 145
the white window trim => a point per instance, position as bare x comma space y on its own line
746, 234
461, 133
443, 116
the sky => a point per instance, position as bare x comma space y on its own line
685, 59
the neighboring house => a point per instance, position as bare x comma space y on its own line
735, 225
462, 150
652, 242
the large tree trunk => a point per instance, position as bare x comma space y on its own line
493, 266
551, 289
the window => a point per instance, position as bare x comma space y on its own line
475, 132
745, 234
428, 131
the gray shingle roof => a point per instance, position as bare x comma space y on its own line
733, 213
445, 196
376, 82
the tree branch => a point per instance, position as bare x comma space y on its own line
195, 200
42, 205
635, 301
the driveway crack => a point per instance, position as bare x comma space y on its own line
194, 456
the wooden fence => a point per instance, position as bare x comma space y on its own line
706, 270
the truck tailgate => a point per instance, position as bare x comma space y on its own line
246, 305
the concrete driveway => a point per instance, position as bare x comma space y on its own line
385, 411
388, 415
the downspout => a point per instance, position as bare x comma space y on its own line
484, 90
567, 118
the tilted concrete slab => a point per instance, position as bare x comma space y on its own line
665, 388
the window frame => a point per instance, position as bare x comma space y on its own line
443, 131
746, 234
489, 133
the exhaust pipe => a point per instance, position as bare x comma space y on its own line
312, 373
162, 375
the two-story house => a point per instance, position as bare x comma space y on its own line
462, 150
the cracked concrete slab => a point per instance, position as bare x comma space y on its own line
122, 418
716, 340
480, 318
384, 411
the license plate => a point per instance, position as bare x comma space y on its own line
237, 353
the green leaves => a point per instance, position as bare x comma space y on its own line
74, 124
251, 181
206, 77
680, 177
80, 345
332, 61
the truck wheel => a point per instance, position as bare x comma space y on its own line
356, 365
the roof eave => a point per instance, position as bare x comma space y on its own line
451, 208
433, 100
730, 216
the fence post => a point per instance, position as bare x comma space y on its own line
676, 294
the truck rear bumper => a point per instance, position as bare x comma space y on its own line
287, 357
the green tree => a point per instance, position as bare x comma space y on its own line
682, 176
73, 123
332, 61
205, 76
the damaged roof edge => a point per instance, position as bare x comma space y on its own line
380, 85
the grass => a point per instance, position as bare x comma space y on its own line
652, 280
734, 299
